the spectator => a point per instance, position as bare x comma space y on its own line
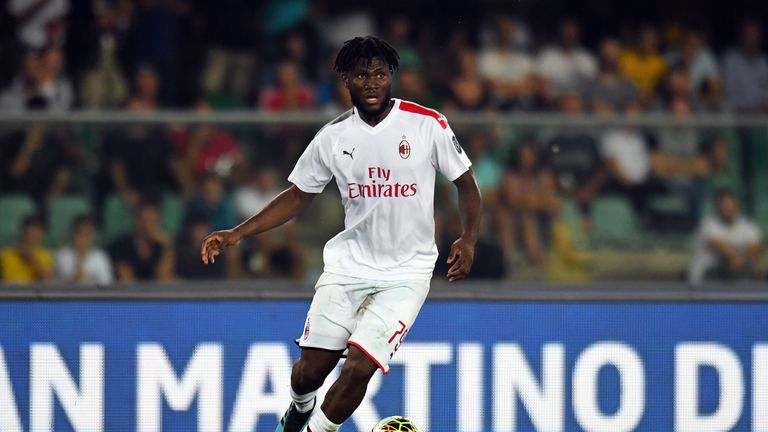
137, 161
530, 196
701, 65
681, 163
82, 262
258, 190
188, 264
644, 65
411, 87
104, 86
334, 97
511, 72
41, 84
146, 254
231, 32
37, 161
676, 87
202, 150
288, 93
213, 202
38, 23
745, 70
610, 90
27, 261
627, 157
466, 90
575, 159
146, 88
566, 65
727, 244
399, 36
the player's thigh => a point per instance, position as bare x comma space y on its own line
387, 319
332, 315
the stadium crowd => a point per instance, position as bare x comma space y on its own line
147, 195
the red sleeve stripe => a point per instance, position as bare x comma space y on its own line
418, 109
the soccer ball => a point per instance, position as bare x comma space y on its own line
396, 424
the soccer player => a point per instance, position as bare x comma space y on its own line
384, 154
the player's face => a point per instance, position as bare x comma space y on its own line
369, 85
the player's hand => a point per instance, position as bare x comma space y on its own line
461, 258
216, 242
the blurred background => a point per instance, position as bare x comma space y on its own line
612, 141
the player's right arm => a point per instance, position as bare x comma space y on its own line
280, 210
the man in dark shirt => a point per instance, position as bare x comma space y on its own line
148, 253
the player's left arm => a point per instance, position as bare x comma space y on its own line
470, 205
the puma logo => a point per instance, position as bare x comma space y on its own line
348, 153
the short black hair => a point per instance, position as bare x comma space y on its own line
33, 220
725, 192
365, 49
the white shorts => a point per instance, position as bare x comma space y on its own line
371, 315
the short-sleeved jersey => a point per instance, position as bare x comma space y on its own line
386, 178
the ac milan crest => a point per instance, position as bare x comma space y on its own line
404, 148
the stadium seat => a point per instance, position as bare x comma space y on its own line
614, 222
63, 211
117, 219
14, 208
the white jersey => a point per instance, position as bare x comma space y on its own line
386, 178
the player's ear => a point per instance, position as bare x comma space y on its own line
345, 79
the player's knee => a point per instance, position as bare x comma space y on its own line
358, 369
307, 376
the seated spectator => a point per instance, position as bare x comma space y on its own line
745, 72
137, 159
37, 161
256, 192
627, 156
467, 90
675, 88
41, 84
644, 65
212, 201
27, 261
146, 254
575, 159
202, 150
288, 93
530, 195
37, 23
511, 72
334, 97
188, 262
399, 36
104, 85
700, 63
610, 90
411, 87
566, 65
727, 244
83, 262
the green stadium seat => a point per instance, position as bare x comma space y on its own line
614, 222
117, 219
62, 213
13, 208
172, 213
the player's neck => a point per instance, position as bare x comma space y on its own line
373, 119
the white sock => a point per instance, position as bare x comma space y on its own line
303, 402
320, 423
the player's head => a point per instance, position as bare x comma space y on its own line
366, 65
